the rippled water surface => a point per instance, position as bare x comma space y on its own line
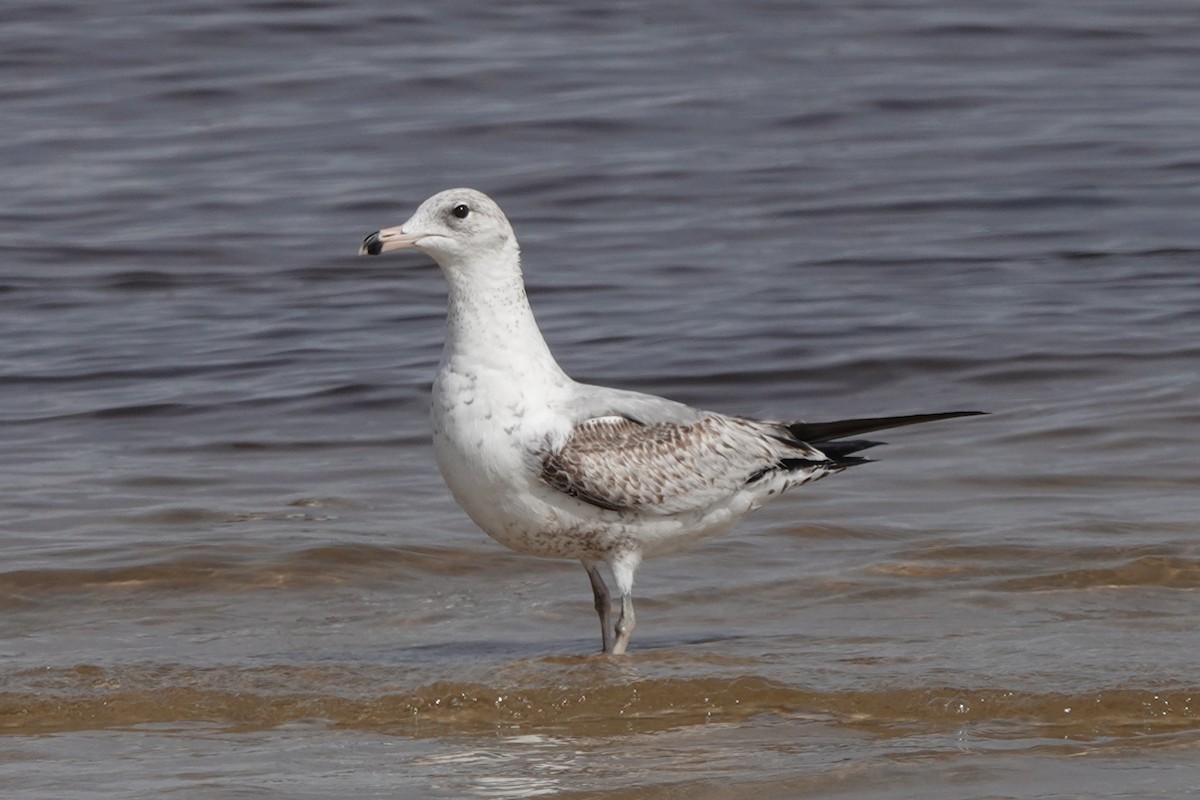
230, 568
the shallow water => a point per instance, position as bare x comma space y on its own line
231, 569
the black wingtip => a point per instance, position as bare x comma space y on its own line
821, 432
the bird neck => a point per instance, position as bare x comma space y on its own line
489, 324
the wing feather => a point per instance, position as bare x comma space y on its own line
668, 467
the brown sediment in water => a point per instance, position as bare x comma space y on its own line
88, 697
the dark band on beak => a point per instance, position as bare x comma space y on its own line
371, 246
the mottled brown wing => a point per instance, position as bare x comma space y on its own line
665, 468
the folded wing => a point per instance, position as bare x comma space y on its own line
669, 468
672, 467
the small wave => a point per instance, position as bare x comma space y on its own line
584, 697
142, 279
1149, 571
246, 570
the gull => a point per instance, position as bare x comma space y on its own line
555, 468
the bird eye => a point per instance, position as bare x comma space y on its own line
461, 210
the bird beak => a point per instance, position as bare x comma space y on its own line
388, 239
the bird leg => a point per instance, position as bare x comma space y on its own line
603, 606
625, 625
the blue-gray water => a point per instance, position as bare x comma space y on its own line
230, 568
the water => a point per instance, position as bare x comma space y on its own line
231, 570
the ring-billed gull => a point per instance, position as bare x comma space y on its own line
551, 467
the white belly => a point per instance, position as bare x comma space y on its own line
487, 456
